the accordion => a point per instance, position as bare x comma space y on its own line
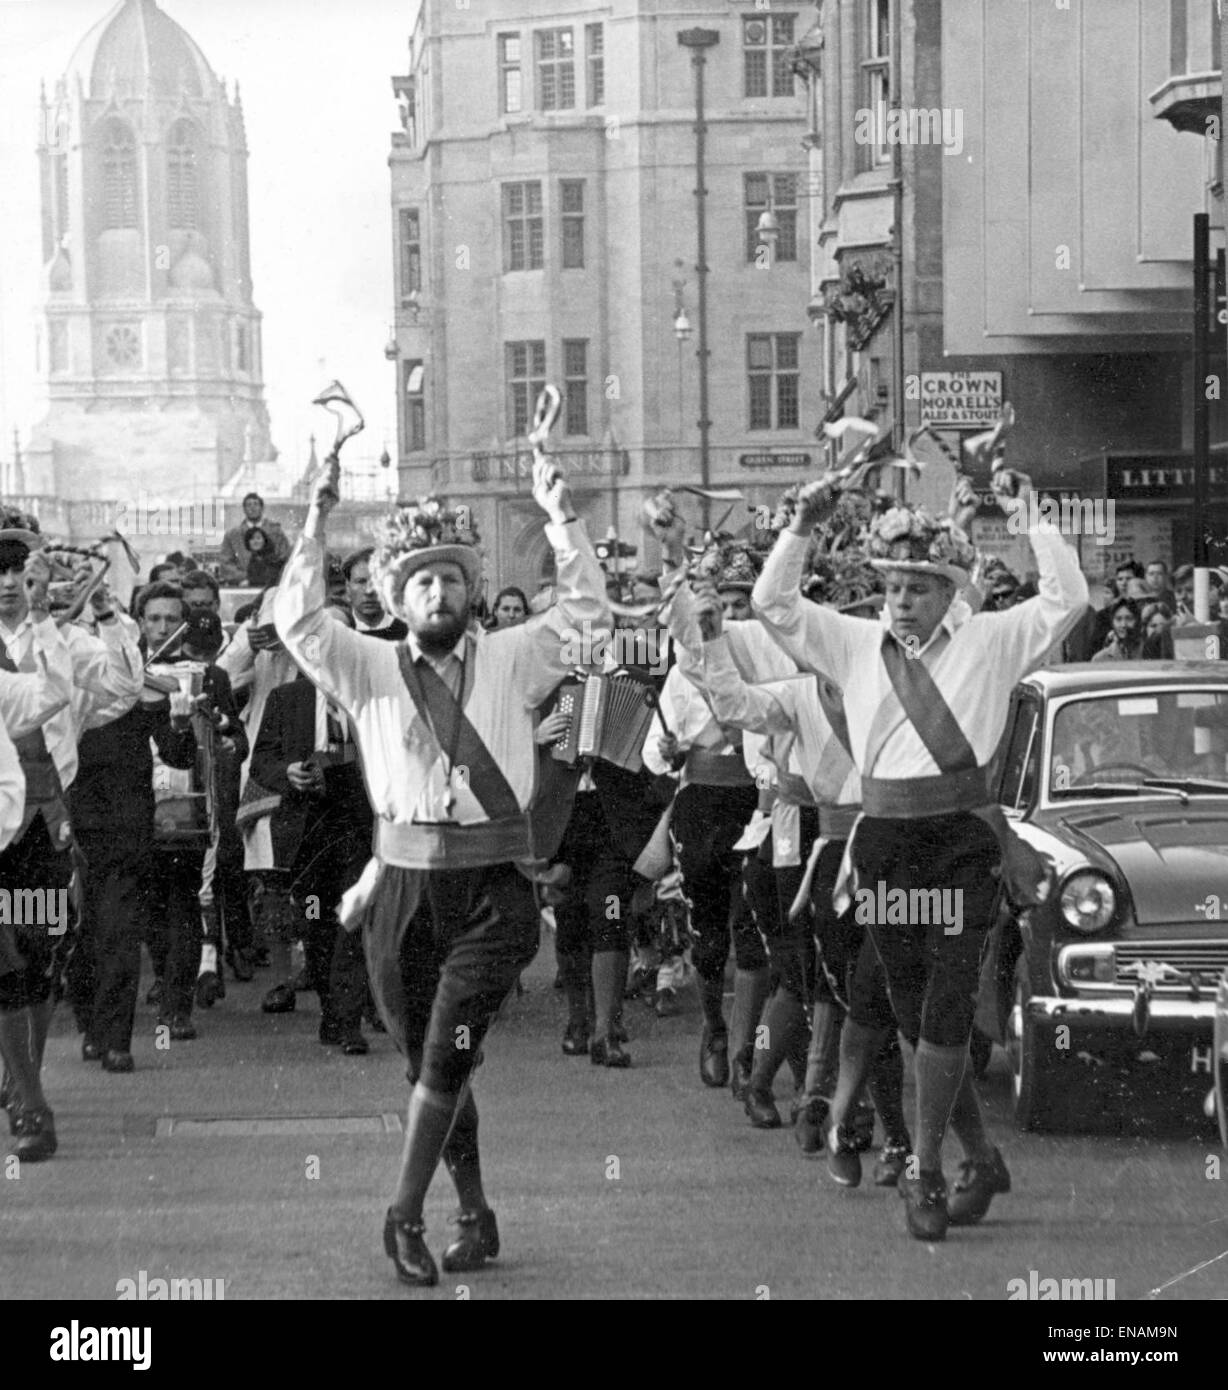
608, 717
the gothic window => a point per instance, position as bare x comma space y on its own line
119, 177
61, 195
181, 178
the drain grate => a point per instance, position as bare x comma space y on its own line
257, 1126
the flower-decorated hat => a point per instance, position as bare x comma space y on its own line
19, 526
909, 538
843, 579
424, 534
728, 563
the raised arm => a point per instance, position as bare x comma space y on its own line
335, 659
736, 703
12, 790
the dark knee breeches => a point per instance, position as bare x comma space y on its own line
596, 916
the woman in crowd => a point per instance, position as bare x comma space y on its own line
1125, 642
509, 609
263, 566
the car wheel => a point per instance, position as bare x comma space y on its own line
1031, 1058
980, 1050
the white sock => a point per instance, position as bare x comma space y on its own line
208, 959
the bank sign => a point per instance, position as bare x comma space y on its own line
961, 400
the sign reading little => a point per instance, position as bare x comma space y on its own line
957, 399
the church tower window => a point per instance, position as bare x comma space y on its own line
119, 177
181, 181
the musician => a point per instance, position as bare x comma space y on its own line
933, 685
305, 754
717, 798
179, 869
447, 907
104, 674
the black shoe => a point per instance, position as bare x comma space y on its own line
975, 1189
608, 1052
761, 1108
404, 1245
925, 1204
714, 1058
209, 989
808, 1127
739, 1082
182, 1028
35, 1132
330, 1032
354, 1044
155, 992
843, 1158
114, 1060
889, 1166
279, 1000
242, 966
477, 1241
90, 1051
575, 1040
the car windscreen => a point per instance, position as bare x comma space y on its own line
1128, 736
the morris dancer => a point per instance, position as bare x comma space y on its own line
933, 685
444, 724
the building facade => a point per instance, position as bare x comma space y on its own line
148, 339
544, 226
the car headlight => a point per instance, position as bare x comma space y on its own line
1088, 901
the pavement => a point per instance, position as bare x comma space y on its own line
607, 1184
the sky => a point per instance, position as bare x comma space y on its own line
318, 103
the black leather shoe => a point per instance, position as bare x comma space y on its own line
182, 1028
90, 1051
354, 1044
575, 1040
209, 989
476, 1242
330, 1032
113, 1060
714, 1058
808, 1127
925, 1204
36, 1139
889, 1166
862, 1126
241, 965
279, 1000
608, 1052
843, 1158
975, 1188
739, 1081
403, 1244
761, 1108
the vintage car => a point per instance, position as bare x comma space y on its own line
1118, 771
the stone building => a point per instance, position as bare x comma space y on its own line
544, 226
148, 339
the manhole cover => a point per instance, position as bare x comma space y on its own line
258, 1126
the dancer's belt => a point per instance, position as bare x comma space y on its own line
836, 822
448, 846
913, 798
708, 769
795, 789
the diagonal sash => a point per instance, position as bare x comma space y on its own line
926, 707
441, 712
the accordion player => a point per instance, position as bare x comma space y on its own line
607, 717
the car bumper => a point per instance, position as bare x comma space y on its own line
1115, 1013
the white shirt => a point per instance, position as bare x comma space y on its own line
513, 670
106, 676
12, 789
987, 654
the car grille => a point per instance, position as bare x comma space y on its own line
1146, 961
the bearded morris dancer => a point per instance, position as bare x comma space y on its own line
932, 686
444, 724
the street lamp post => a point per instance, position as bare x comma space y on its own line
698, 41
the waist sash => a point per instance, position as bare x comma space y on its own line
914, 798
446, 846
794, 789
708, 769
